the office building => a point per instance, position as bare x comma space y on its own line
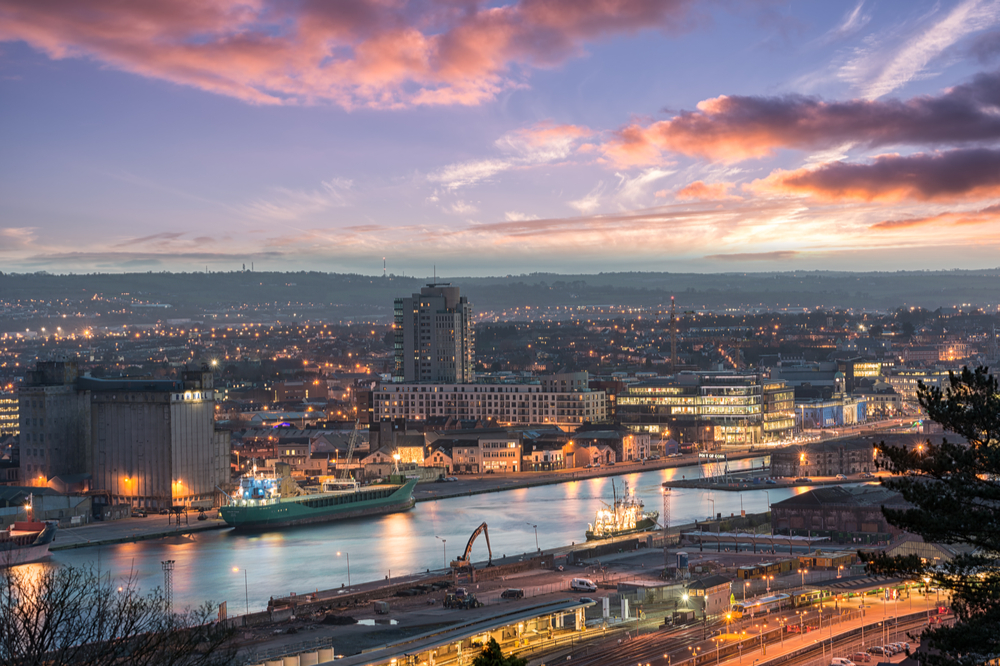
709, 408
564, 399
434, 336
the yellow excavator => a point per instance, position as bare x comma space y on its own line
463, 560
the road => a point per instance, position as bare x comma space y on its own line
703, 644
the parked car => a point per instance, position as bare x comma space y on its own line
513, 594
879, 650
585, 585
770, 481
861, 657
587, 601
840, 661
841, 476
139, 512
802, 480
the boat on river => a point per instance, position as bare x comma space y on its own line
275, 502
26, 542
625, 516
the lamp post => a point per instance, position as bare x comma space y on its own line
745, 585
712, 500
770, 518
803, 574
535, 526
444, 551
348, 567
246, 588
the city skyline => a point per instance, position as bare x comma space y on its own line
490, 139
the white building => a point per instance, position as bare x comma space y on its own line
563, 399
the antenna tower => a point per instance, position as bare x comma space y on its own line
673, 337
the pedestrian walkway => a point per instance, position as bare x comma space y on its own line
132, 530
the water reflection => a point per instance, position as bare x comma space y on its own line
303, 559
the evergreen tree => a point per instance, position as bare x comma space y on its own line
492, 655
954, 493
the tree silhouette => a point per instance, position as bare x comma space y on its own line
954, 493
75, 616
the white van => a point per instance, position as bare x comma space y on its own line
583, 585
843, 662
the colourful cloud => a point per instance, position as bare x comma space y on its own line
957, 175
773, 256
350, 52
702, 190
735, 128
990, 214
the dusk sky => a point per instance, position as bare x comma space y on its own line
495, 138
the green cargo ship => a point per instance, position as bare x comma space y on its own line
260, 503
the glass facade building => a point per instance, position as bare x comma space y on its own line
710, 408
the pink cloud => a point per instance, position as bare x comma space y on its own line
349, 52
702, 190
957, 175
735, 128
990, 214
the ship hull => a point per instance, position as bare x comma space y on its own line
642, 526
313, 509
15, 552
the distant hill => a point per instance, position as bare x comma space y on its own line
315, 294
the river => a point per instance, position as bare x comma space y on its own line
303, 559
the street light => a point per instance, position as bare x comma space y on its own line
348, 567
444, 551
712, 500
745, 585
535, 526
803, 574
246, 588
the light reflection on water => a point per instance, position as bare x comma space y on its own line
303, 559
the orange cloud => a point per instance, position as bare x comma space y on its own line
348, 52
701, 190
735, 128
989, 214
956, 175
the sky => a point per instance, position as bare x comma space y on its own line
489, 138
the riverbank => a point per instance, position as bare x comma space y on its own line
469, 485
135, 529
750, 482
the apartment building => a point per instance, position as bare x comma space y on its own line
563, 399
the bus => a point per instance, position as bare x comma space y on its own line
761, 605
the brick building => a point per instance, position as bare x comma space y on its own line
841, 513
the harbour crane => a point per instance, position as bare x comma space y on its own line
351, 443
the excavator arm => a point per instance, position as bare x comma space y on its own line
463, 560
